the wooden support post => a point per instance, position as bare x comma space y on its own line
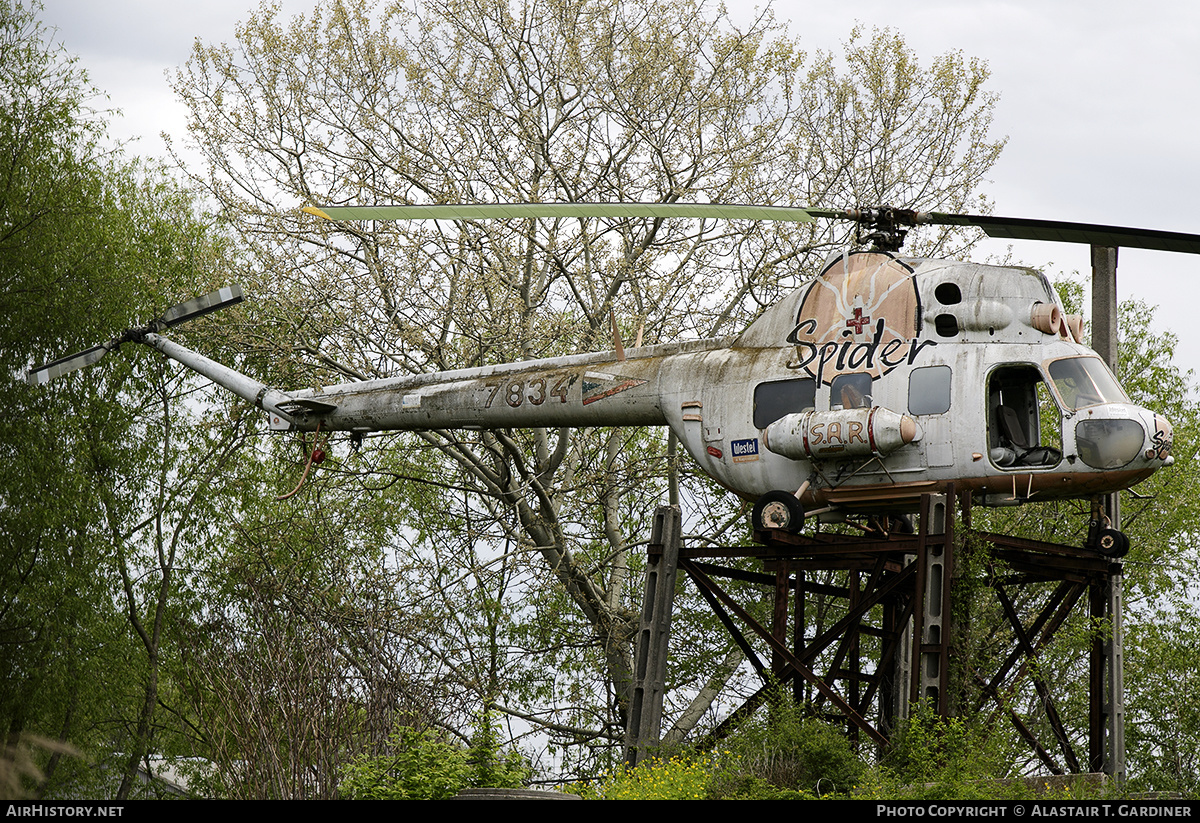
853, 663
1097, 609
893, 697
798, 628
779, 621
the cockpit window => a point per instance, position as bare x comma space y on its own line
1024, 424
1085, 381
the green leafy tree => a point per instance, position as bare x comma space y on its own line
1162, 612
304, 652
1162, 653
486, 100
56, 613
105, 482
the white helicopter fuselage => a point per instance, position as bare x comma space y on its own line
883, 378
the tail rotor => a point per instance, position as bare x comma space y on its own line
174, 316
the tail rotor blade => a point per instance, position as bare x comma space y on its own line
196, 307
200, 306
65, 365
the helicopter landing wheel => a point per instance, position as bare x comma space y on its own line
778, 510
1112, 543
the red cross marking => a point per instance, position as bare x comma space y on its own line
859, 320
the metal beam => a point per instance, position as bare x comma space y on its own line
650, 673
1104, 341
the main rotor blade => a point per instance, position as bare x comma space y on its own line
491, 211
200, 306
1014, 228
65, 365
1019, 228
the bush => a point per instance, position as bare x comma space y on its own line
423, 765
934, 758
420, 765
675, 778
786, 754
927, 748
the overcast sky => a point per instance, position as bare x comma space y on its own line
1099, 101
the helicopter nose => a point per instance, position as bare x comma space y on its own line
1161, 438
1116, 441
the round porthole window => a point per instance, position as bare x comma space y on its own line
946, 325
948, 294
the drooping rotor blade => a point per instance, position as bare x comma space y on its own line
200, 306
493, 211
1018, 228
65, 365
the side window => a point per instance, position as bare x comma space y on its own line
850, 391
929, 390
782, 397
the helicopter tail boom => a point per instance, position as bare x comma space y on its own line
264, 397
599, 389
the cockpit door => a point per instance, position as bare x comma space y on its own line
1024, 421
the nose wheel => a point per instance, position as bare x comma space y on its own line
1102, 537
778, 510
1111, 543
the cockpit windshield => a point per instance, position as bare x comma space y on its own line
1085, 381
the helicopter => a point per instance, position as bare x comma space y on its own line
879, 380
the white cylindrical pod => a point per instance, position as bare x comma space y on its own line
824, 435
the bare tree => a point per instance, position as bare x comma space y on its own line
288, 673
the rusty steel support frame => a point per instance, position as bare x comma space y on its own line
1018, 562
893, 644
930, 676
650, 671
